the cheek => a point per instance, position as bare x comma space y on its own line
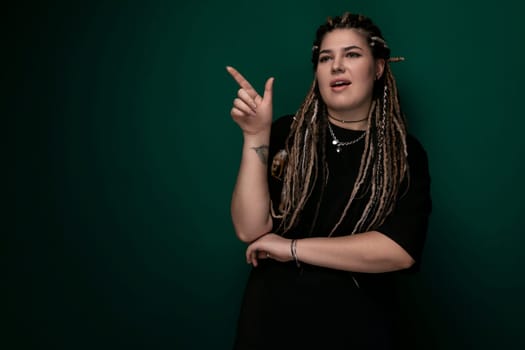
369, 73
323, 83
323, 73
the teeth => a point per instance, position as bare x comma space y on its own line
339, 83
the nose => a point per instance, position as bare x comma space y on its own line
337, 65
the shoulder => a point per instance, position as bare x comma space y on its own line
281, 128
283, 122
416, 152
418, 165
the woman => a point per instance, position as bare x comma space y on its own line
343, 205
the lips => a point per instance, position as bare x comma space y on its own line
339, 85
340, 82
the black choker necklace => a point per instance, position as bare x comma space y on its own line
347, 121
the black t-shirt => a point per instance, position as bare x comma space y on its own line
313, 307
406, 225
316, 307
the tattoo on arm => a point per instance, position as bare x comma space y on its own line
262, 152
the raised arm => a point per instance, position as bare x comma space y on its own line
250, 205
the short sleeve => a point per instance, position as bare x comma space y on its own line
407, 225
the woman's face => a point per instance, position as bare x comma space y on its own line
346, 72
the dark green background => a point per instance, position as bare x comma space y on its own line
126, 157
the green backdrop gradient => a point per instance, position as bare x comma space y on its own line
127, 157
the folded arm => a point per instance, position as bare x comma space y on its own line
371, 252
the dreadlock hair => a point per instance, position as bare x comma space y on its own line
384, 160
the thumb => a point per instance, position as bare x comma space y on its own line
268, 90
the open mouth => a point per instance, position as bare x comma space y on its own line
339, 83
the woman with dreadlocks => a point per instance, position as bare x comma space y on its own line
343, 205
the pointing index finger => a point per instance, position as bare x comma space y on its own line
242, 81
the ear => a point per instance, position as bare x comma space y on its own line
380, 67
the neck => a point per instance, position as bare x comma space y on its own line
358, 124
353, 120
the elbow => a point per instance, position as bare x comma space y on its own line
404, 262
244, 237
248, 235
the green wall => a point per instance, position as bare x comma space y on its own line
126, 157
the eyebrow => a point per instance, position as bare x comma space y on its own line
348, 48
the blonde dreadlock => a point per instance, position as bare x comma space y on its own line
383, 163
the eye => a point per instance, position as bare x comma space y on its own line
324, 59
353, 54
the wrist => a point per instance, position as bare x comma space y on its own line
293, 252
257, 138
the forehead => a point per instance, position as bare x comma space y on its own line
343, 37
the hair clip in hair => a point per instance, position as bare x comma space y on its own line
396, 59
375, 39
315, 47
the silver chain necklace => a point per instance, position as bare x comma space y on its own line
338, 144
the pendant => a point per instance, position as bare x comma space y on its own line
335, 142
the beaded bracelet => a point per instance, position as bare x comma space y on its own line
293, 248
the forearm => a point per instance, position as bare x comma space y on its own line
370, 252
250, 206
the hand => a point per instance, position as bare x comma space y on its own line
269, 246
250, 111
